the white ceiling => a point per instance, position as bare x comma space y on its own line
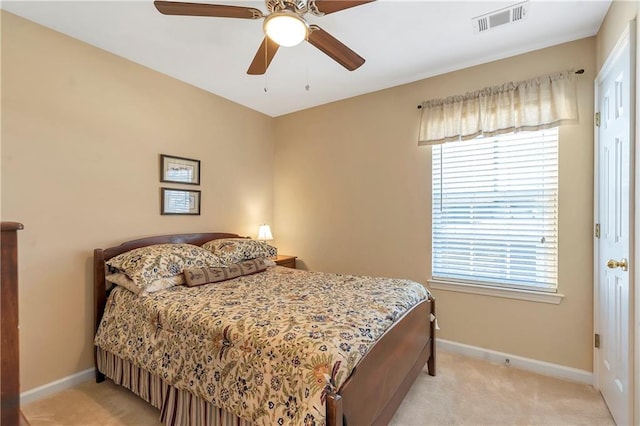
402, 41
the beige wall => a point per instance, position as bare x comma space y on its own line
352, 195
81, 133
614, 23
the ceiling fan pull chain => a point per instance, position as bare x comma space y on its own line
306, 86
266, 61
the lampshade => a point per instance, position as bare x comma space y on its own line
285, 28
264, 233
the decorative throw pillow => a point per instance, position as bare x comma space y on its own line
148, 264
121, 279
234, 250
199, 276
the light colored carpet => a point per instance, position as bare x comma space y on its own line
466, 391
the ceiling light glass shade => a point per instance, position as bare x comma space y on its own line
285, 28
264, 233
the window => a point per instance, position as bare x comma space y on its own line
495, 211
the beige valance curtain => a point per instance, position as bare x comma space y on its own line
535, 104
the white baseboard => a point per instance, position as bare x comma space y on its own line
522, 363
540, 367
56, 386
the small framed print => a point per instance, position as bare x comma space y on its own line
179, 201
179, 170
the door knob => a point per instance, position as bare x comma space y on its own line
623, 264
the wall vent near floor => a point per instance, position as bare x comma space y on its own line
507, 15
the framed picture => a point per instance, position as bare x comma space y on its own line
179, 201
179, 170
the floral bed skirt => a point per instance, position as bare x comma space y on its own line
177, 407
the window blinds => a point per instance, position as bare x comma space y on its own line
495, 210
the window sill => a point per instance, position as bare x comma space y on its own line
532, 296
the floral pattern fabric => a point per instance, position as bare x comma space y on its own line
146, 265
266, 347
121, 279
234, 250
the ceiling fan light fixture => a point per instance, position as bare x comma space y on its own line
285, 28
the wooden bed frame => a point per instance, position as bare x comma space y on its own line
380, 381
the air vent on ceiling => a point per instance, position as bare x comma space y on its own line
494, 19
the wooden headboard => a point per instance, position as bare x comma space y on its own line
102, 255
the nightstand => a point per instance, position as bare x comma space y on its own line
286, 261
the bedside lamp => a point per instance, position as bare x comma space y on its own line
264, 233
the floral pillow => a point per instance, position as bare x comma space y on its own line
148, 264
199, 276
234, 250
121, 279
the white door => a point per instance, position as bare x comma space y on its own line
613, 87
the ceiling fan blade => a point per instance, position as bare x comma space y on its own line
263, 57
201, 9
330, 6
334, 48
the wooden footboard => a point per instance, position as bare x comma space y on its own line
377, 386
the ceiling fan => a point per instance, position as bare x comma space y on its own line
284, 25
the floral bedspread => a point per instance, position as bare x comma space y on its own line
265, 347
